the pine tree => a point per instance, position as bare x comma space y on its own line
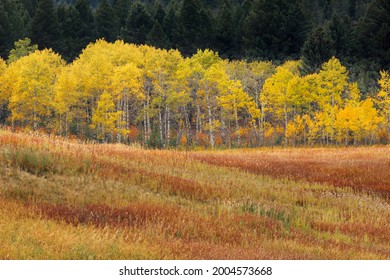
274, 29
45, 29
225, 29
121, 8
70, 23
170, 26
4, 30
157, 37
195, 26
106, 22
87, 29
373, 33
30, 6
139, 24
159, 13
318, 48
19, 20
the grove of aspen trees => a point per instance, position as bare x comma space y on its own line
127, 93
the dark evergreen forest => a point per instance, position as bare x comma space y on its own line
355, 31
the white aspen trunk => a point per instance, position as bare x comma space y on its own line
211, 130
187, 124
147, 117
198, 122
127, 112
168, 126
165, 121
285, 124
237, 126
145, 126
66, 123
34, 116
223, 127
261, 123
161, 127
61, 128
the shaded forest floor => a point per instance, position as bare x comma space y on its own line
64, 200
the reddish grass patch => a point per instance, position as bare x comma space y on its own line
135, 215
170, 221
355, 229
360, 168
160, 182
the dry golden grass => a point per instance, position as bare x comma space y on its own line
64, 200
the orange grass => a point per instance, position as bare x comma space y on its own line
62, 199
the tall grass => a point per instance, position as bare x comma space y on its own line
65, 200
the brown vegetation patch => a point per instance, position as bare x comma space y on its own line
170, 221
355, 229
362, 169
159, 182
135, 215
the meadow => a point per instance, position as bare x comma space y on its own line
60, 199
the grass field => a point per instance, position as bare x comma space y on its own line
64, 200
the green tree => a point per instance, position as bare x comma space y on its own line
4, 94
45, 29
86, 32
22, 48
195, 26
4, 30
106, 21
373, 33
157, 37
121, 8
318, 48
225, 29
69, 20
170, 26
274, 29
19, 20
139, 24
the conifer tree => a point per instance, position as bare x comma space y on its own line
139, 24
318, 48
225, 29
87, 28
373, 33
121, 8
195, 26
45, 29
4, 30
106, 21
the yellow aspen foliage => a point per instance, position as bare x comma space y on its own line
105, 117
346, 123
368, 121
332, 81
296, 130
276, 96
200, 100
383, 97
3, 90
3, 66
31, 81
354, 94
